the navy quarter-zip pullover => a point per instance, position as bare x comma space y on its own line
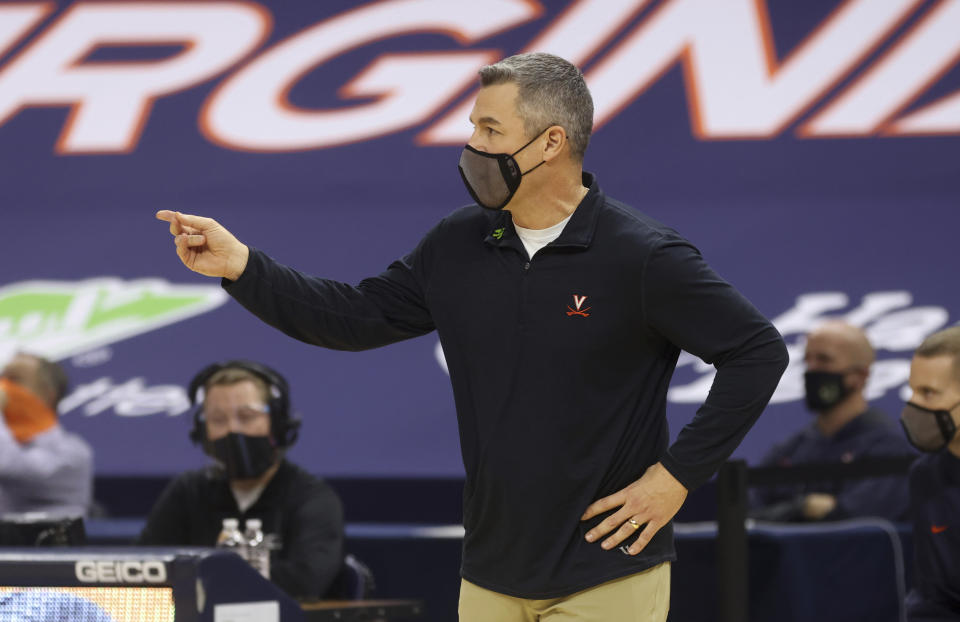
871, 433
935, 502
560, 366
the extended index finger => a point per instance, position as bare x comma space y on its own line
185, 223
602, 505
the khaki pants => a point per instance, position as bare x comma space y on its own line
642, 597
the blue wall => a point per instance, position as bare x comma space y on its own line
806, 225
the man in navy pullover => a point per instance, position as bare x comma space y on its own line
560, 387
838, 357
931, 420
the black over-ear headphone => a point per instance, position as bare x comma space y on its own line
283, 425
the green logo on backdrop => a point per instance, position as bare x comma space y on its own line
63, 318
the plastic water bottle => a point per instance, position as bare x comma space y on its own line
230, 537
258, 553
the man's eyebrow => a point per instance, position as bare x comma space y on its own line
486, 121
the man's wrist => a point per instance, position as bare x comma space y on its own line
670, 466
236, 268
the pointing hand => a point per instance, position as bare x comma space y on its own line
204, 246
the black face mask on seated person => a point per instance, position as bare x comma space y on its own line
243, 456
824, 390
492, 178
928, 430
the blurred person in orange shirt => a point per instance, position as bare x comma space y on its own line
43, 467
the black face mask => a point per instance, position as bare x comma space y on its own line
824, 390
492, 178
928, 430
242, 456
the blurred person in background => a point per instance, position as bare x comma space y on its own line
43, 467
244, 423
931, 420
845, 428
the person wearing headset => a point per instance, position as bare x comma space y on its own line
244, 423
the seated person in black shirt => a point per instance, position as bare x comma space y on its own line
931, 420
244, 424
838, 358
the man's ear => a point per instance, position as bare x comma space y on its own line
556, 142
863, 376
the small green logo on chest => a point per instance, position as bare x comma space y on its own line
498, 233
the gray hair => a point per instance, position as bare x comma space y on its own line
551, 91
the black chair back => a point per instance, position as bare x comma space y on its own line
355, 581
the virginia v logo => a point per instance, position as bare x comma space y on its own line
62, 318
578, 303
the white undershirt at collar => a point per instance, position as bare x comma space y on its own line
246, 498
535, 239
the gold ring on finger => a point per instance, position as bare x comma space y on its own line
633, 523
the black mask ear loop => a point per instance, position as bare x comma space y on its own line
530, 142
947, 427
542, 162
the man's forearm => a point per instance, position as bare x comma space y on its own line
741, 390
319, 311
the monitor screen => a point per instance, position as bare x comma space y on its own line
86, 604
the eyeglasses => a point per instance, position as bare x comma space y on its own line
245, 417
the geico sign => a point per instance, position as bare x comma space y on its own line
121, 571
737, 87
